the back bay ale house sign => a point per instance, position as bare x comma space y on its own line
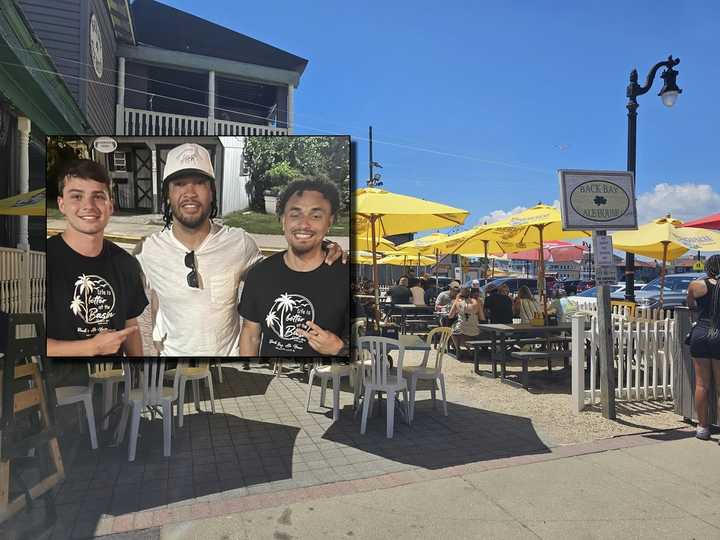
597, 200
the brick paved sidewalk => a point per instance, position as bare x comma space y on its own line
262, 448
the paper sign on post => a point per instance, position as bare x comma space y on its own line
603, 251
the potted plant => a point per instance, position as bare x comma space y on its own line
271, 196
276, 178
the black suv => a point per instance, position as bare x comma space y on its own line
674, 291
514, 284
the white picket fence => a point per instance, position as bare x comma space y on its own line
642, 357
22, 281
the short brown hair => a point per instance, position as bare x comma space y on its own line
86, 169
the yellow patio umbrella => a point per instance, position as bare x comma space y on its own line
537, 224
25, 204
362, 241
361, 257
424, 246
477, 242
383, 213
403, 260
665, 239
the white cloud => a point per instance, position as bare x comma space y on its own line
497, 215
684, 201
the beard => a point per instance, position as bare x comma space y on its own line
191, 222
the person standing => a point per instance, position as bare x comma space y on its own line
195, 267
94, 288
703, 297
293, 304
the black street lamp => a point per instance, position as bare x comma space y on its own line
668, 94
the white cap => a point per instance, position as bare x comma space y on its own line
188, 158
455, 284
475, 283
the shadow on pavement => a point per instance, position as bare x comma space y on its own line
434, 441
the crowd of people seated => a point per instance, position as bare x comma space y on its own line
464, 308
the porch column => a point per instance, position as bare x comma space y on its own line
120, 107
157, 207
290, 109
24, 174
211, 103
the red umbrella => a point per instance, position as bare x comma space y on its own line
707, 222
553, 251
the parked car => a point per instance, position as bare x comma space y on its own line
514, 284
619, 292
674, 291
573, 287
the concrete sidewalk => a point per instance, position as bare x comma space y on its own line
641, 486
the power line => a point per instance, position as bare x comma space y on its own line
304, 126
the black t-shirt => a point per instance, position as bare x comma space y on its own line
88, 294
281, 299
500, 308
400, 294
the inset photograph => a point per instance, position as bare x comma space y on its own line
198, 246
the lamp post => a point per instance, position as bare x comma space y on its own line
668, 94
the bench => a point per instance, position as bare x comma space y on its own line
526, 356
477, 344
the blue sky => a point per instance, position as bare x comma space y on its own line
477, 104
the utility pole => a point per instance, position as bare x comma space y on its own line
370, 159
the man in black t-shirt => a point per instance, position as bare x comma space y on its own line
400, 293
498, 305
293, 304
94, 291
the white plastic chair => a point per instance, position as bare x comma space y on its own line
106, 374
358, 360
333, 372
149, 393
432, 372
379, 377
192, 374
218, 365
67, 395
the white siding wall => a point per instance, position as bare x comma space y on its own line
234, 196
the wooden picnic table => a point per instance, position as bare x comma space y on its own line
406, 309
504, 336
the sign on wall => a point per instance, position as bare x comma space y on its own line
597, 200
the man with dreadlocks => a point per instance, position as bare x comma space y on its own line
193, 266
704, 297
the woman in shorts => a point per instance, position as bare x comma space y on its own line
704, 297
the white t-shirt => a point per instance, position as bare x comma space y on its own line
418, 295
204, 321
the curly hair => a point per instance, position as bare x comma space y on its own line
167, 211
328, 189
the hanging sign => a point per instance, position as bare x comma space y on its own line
597, 200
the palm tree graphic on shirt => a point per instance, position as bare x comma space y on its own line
86, 286
93, 299
288, 312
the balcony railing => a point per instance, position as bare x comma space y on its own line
138, 122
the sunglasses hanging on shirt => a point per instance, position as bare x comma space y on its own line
192, 277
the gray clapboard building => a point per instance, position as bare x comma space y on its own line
111, 67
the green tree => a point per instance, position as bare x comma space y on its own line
274, 161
